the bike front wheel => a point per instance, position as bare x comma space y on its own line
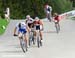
23, 45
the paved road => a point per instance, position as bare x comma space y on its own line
55, 45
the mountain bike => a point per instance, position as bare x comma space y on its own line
23, 43
31, 37
39, 43
57, 26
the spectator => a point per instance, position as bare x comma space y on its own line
7, 14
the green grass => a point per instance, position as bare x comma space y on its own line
3, 22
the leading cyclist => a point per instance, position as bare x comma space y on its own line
22, 30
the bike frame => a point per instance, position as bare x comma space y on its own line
31, 38
38, 38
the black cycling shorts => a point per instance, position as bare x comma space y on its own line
30, 25
38, 27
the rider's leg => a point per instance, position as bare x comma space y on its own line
46, 15
55, 24
41, 35
59, 25
41, 28
26, 38
19, 35
49, 17
34, 34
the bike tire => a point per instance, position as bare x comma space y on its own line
57, 31
29, 41
33, 39
38, 42
23, 45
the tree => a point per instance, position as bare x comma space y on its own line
61, 6
21, 8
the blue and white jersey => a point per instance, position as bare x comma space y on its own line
22, 25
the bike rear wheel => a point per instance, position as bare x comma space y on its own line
57, 28
39, 43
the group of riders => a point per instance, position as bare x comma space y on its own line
27, 26
35, 24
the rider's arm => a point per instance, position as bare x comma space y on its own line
41, 24
26, 21
15, 30
28, 29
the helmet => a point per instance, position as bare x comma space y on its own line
55, 14
36, 18
28, 16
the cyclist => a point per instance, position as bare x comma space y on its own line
48, 11
56, 19
29, 21
38, 25
22, 30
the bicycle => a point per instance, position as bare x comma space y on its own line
23, 44
31, 37
57, 26
39, 43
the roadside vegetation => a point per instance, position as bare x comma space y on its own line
3, 25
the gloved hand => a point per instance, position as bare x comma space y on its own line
15, 35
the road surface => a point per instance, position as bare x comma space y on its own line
55, 45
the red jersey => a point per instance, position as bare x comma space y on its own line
38, 22
56, 18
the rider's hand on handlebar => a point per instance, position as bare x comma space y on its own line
14, 34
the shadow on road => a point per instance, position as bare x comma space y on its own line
17, 51
49, 32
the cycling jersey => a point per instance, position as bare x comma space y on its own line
21, 27
56, 18
29, 22
37, 24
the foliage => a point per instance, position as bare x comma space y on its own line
20, 8
3, 22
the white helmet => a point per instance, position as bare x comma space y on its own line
28, 16
36, 18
